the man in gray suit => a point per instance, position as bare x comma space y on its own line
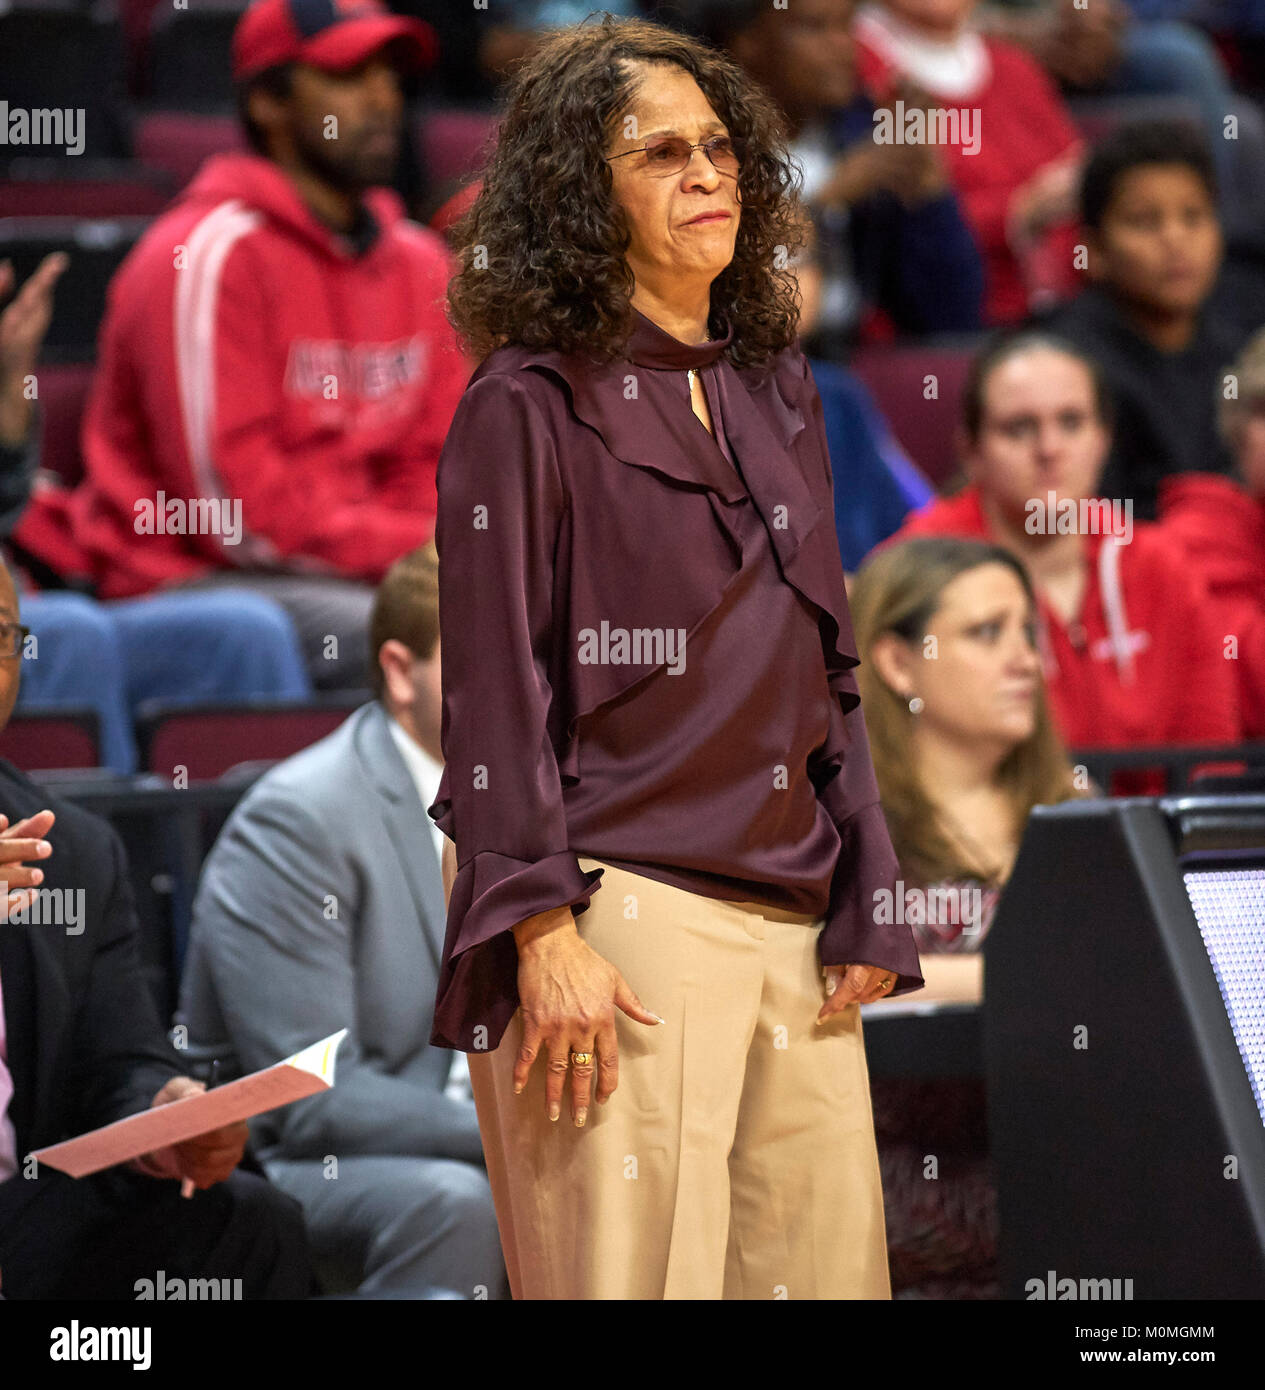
322, 907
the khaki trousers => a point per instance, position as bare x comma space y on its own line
737, 1157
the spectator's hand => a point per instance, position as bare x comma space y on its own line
919, 171
914, 173
569, 995
1049, 197
1082, 47
23, 324
853, 984
205, 1159
18, 843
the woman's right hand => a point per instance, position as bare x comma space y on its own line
568, 995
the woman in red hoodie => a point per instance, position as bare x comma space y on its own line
1220, 523
1134, 654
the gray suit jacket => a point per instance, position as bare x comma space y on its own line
322, 907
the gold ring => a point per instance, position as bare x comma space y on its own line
883, 984
583, 1059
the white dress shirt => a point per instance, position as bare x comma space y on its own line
8, 1141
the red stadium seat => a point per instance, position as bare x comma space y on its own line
919, 390
444, 217
178, 142
43, 740
63, 396
453, 143
210, 740
106, 188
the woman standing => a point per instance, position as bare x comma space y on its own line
656, 777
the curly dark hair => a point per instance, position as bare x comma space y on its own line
541, 249
1138, 143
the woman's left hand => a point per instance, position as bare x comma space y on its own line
854, 984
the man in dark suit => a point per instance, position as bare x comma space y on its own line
81, 1045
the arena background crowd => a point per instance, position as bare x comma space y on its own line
225, 383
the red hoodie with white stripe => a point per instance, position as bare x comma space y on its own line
1222, 529
251, 354
1144, 660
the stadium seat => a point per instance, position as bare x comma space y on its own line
177, 142
208, 740
63, 397
44, 740
190, 56
453, 143
83, 188
1097, 116
79, 68
444, 217
95, 249
918, 389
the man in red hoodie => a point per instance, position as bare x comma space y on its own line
277, 373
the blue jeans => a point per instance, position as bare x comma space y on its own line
177, 647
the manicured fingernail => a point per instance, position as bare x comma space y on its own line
832, 983
37, 875
518, 1088
43, 847
580, 1117
657, 1019
554, 1111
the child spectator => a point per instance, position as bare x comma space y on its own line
1149, 206
1015, 169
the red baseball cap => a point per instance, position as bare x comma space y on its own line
333, 35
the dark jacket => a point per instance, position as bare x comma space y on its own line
917, 264
1165, 403
85, 1043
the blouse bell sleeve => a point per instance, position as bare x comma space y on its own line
501, 503
858, 931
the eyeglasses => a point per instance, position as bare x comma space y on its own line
670, 154
12, 637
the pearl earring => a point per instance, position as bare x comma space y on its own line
916, 704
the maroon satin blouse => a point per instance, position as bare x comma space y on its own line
646, 658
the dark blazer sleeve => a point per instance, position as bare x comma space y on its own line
17, 472
842, 772
501, 507
120, 1057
